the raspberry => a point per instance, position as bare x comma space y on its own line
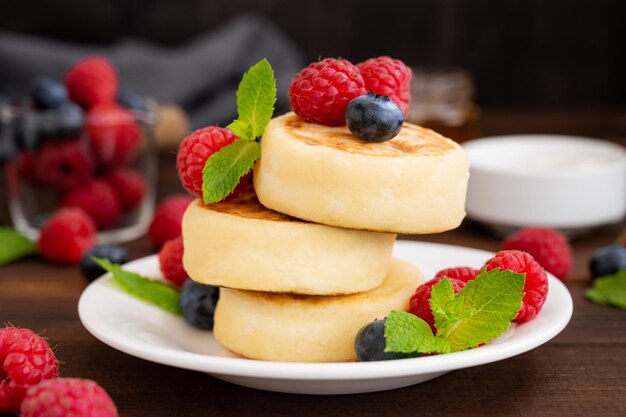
64, 397
99, 200
462, 273
67, 235
194, 151
166, 223
548, 246
171, 261
536, 285
92, 81
114, 137
320, 93
420, 301
130, 187
62, 165
388, 77
25, 360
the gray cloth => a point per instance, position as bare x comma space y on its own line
201, 75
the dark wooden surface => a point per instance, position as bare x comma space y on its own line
582, 372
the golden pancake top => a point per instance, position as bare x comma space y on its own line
412, 139
245, 204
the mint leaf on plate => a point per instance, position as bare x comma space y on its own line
609, 290
224, 169
14, 245
441, 294
407, 333
154, 292
256, 96
482, 310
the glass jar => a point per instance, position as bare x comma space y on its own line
442, 100
103, 161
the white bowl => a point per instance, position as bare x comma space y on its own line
564, 182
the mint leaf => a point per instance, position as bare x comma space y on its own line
481, 311
256, 96
441, 294
14, 245
224, 169
609, 290
407, 333
154, 292
241, 129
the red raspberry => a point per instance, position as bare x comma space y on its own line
171, 261
320, 93
67, 235
463, 273
194, 151
65, 397
420, 301
130, 187
99, 200
548, 246
62, 165
25, 360
166, 223
92, 81
114, 136
388, 77
536, 286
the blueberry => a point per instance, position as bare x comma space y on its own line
131, 101
607, 261
374, 118
115, 254
198, 303
369, 343
48, 93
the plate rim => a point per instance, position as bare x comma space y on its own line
243, 367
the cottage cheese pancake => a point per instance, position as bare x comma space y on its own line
241, 244
292, 328
414, 183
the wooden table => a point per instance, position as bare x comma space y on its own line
582, 372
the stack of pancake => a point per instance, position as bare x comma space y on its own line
306, 261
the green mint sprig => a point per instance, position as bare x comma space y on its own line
14, 245
256, 96
477, 314
609, 290
154, 292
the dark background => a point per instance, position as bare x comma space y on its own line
552, 54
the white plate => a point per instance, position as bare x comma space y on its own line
138, 329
